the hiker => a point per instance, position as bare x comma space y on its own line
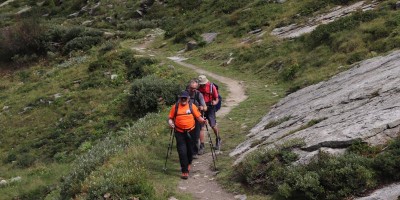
211, 99
197, 99
182, 117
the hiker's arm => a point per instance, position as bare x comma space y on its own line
202, 106
198, 116
201, 120
215, 101
214, 96
171, 123
171, 116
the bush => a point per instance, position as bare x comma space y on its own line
228, 7
137, 25
357, 56
387, 164
289, 73
137, 68
150, 94
24, 38
265, 170
102, 63
123, 182
326, 177
344, 175
72, 33
183, 36
81, 43
25, 160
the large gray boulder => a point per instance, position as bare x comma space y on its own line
359, 104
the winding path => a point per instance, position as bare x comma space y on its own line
201, 183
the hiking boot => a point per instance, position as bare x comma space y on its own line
185, 175
201, 151
217, 144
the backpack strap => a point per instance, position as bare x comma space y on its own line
176, 110
196, 96
211, 92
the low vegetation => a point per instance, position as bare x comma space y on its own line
73, 91
326, 177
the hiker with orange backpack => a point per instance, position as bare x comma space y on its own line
210, 94
182, 117
196, 98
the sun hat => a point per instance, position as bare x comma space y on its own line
184, 94
202, 79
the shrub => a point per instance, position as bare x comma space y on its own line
265, 170
184, 35
362, 148
123, 182
289, 73
37, 193
150, 93
107, 46
25, 160
312, 6
387, 164
301, 185
357, 56
344, 175
326, 177
24, 38
102, 63
228, 7
137, 68
72, 33
81, 43
137, 25
12, 156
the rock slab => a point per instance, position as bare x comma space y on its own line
359, 104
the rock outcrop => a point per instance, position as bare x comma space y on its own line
390, 192
359, 104
296, 30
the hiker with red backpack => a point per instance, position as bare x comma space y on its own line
182, 117
197, 99
211, 97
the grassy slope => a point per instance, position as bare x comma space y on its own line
256, 64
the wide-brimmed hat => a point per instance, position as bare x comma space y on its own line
184, 94
202, 79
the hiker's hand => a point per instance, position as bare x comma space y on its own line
171, 124
214, 102
204, 121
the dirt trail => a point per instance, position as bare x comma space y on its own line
201, 183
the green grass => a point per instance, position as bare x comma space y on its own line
39, 175
44, 138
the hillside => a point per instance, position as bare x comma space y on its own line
86, 86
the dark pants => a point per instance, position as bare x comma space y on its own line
195, 138
184, 145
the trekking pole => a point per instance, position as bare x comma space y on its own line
169, 150
214, 156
